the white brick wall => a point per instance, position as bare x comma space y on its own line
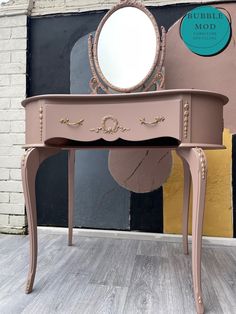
13, 43
41, 7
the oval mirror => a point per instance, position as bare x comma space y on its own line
126, 46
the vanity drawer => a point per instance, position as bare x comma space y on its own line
128, 121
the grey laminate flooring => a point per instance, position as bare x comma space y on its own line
102, 275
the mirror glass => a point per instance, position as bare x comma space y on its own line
127, 47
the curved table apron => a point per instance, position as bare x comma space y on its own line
185, 120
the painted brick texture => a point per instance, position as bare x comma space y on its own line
62, 6
13, 44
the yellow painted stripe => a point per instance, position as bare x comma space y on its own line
218, 220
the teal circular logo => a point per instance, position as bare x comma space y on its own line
206, 31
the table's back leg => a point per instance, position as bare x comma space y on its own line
31, 161
186, 198
71, 184
196, 160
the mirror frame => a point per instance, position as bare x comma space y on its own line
99, 80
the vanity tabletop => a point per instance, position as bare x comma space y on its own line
160, 93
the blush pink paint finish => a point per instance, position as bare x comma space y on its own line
193, 118
184, 69
140, 170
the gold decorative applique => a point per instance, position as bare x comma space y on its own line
186, 119
41, 122
109, 129
202, 162
23, 159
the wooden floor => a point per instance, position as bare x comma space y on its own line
102, 275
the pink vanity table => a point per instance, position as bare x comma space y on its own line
185, 120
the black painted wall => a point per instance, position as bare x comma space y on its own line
51, 39
99, 201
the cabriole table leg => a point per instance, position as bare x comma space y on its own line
31, 161
196, 160
186, 198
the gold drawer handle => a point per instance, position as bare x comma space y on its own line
153, 123
67, 122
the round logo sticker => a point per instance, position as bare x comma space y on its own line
206, 31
